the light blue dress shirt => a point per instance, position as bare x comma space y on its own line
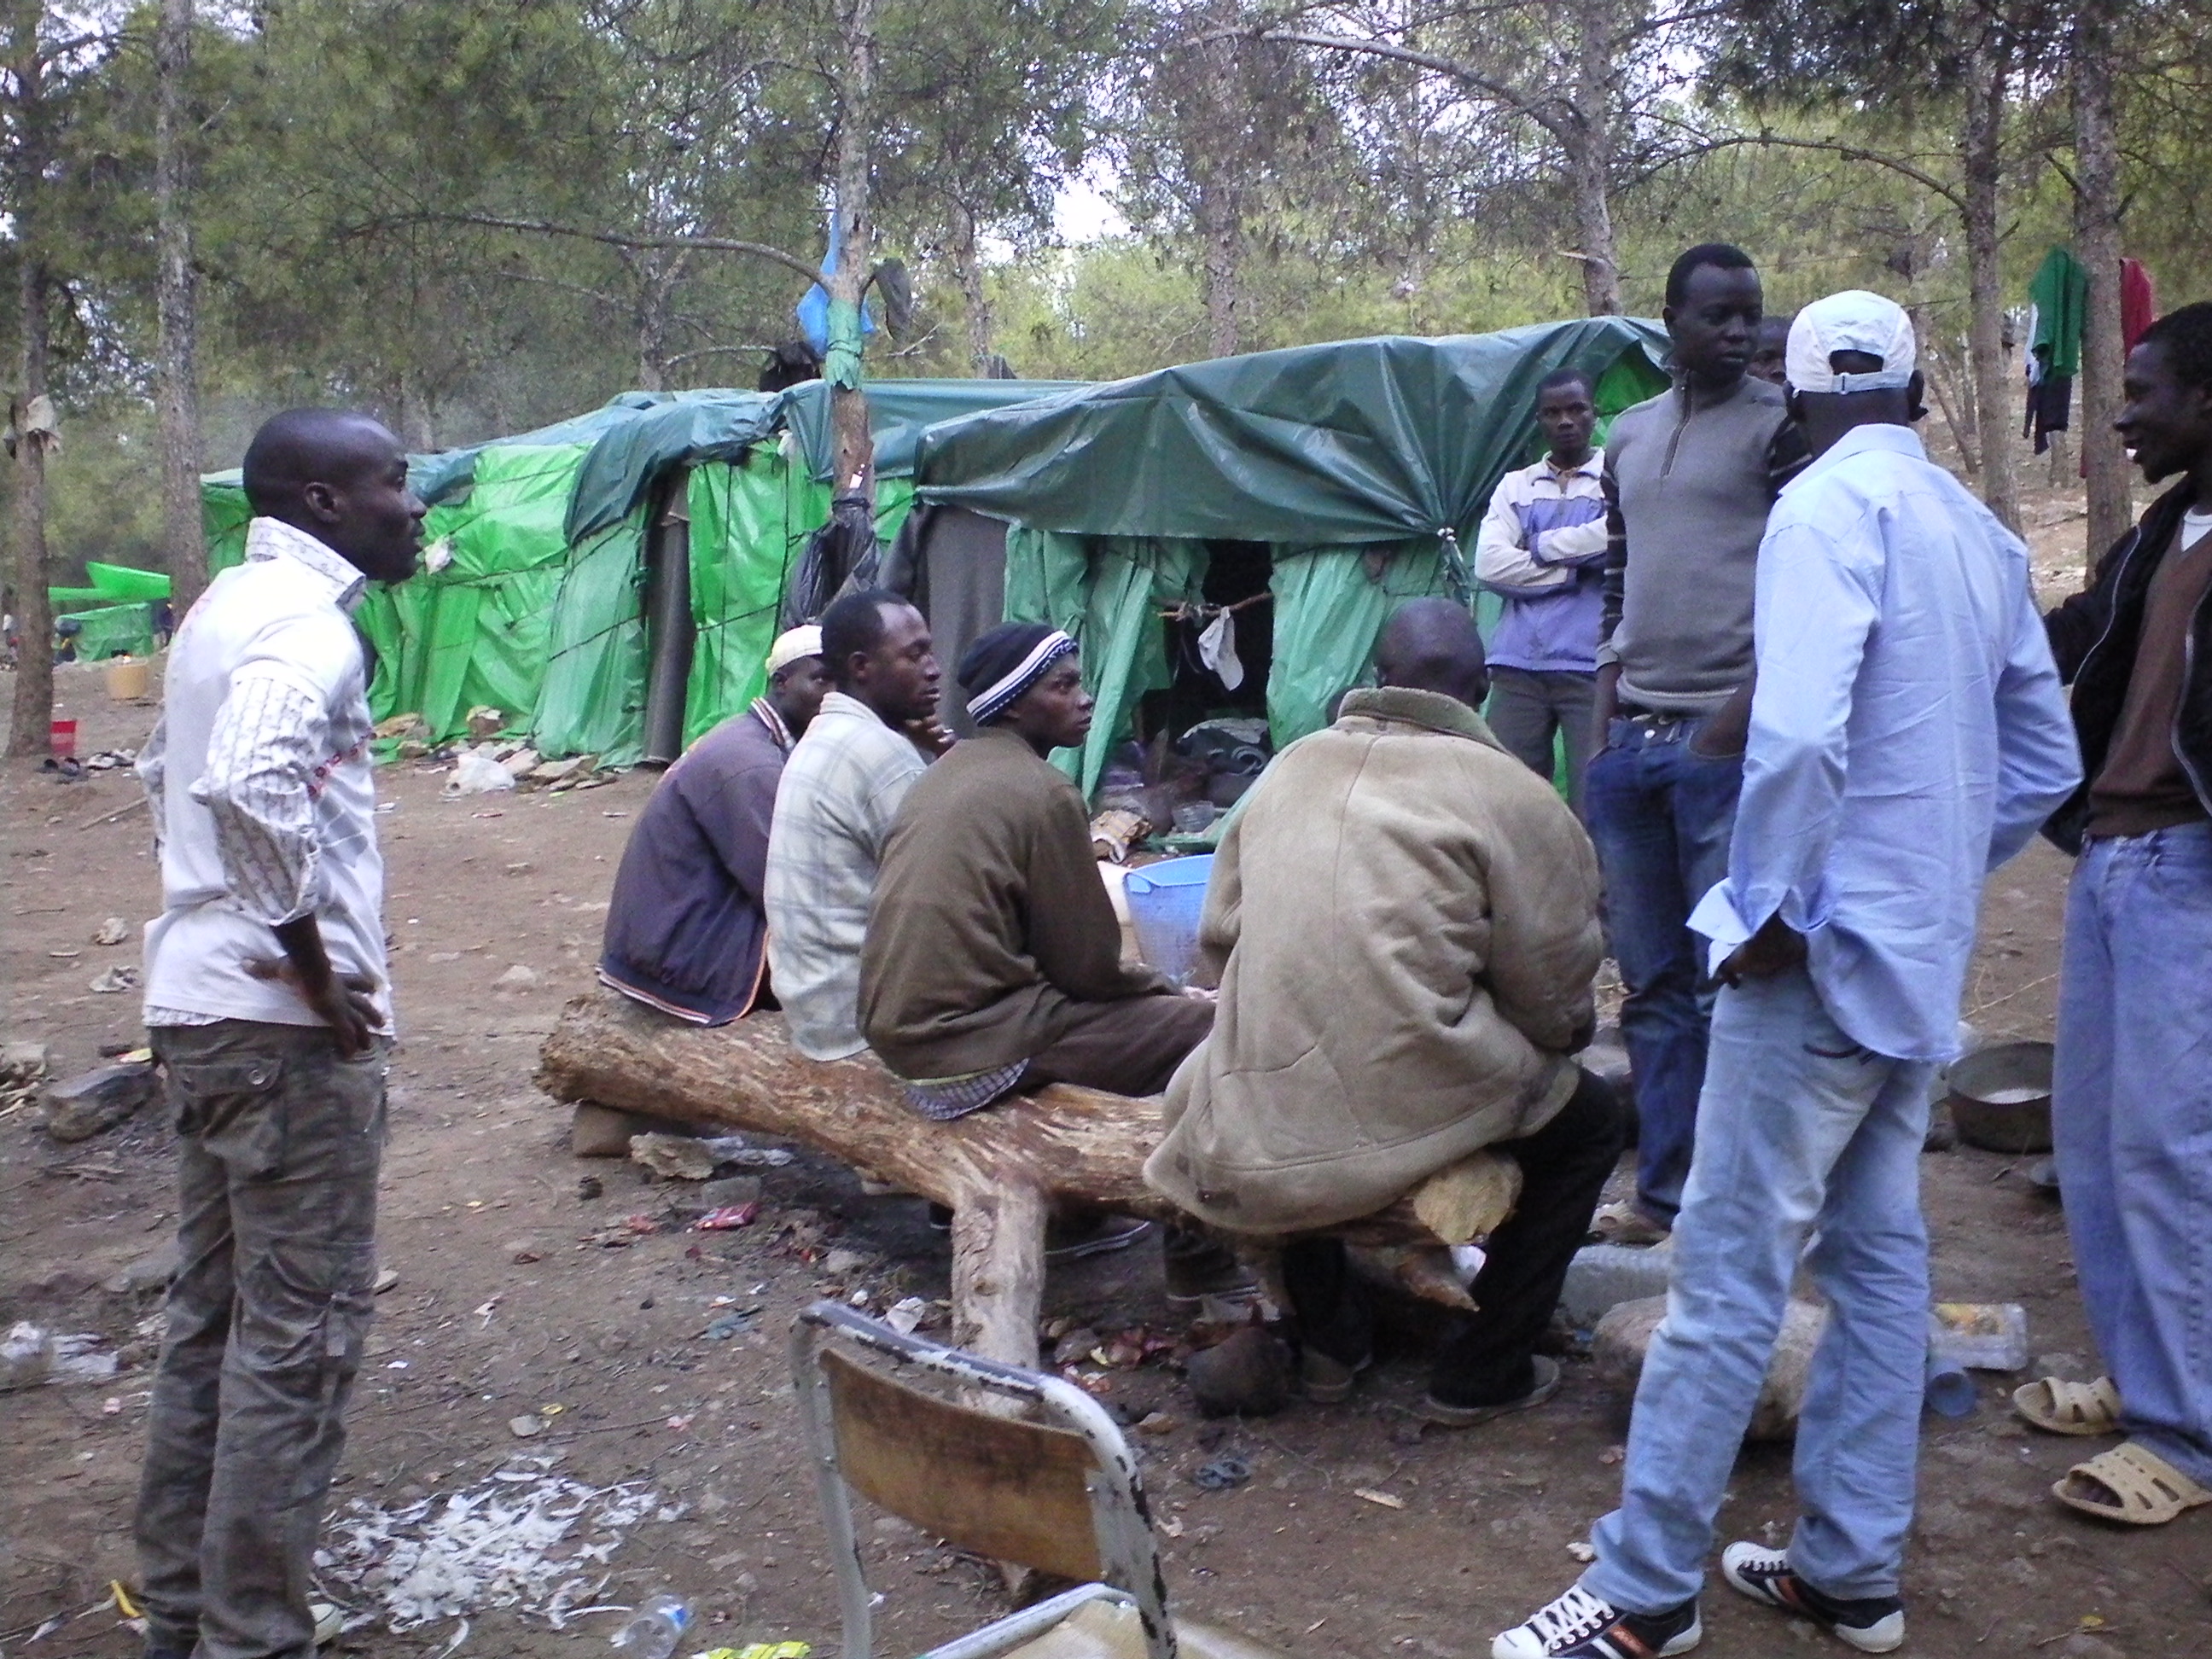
1908, 735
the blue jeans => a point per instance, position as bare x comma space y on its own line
2131, 1111
1803, 1132
1660, 817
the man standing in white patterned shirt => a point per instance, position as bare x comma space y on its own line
270, 1010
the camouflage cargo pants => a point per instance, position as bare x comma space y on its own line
280, 1143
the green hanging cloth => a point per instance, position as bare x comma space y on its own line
2060, 293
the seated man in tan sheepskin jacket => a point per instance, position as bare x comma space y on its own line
1404, 921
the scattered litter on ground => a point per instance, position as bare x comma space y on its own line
121, 978
728, 1217
527, 1538
385, 1279
1388, 1500
1582, 1552
730, 1324
1221, 1473
905, 1317
114, 931
476, 772
517, 978
23, 1069
735, 1151
31, 1355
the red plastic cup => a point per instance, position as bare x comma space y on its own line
61, 739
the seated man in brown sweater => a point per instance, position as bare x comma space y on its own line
993, 960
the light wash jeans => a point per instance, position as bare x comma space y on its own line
1660, 816
2132, 1110
1799, 1128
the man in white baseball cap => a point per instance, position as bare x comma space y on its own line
686, 932
1908, 735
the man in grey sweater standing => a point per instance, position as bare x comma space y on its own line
1689, 477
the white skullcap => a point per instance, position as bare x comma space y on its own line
790, 648
1854, 320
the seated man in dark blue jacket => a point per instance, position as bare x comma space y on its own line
685, 929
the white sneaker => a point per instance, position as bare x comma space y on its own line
1580, 1625
1872, 1625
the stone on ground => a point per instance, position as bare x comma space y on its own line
1623, 1337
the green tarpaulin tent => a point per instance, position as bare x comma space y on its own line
1362, 469
540, 550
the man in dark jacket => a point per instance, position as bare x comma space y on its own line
2132, 1096
993, 960
685, 929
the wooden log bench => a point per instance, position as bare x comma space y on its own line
998, 1170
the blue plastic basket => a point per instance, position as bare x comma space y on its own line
1165, 903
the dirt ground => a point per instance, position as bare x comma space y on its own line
502, 1308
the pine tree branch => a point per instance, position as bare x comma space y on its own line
621, 239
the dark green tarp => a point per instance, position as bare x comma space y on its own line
897, 412
1365, 466
661, 430
1361, 440
439, 477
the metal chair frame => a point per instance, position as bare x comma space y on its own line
1121, 1520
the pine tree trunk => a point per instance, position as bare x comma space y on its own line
849, 404
1213, 120
176, 389
1982, 158
1222, 231
2097, 243
1589, 160
981, 326
31, 716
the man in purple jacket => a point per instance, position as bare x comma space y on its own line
1541, 549
685, 929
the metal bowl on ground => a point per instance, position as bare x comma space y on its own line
2000, 1098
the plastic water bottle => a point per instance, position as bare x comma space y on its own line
1951, 1392
656, 1629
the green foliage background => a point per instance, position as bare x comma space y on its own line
343, 145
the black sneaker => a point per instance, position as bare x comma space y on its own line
1199, 1267
1092, 1235
1875, 1624
1579, 1626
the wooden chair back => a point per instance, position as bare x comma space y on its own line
994, 1487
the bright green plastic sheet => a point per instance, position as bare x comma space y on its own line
117, 630
1330, 605
1107, 593
740, 558
472, 633
593, 699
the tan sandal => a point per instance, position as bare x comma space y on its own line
2060, 1408
2143, 1489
